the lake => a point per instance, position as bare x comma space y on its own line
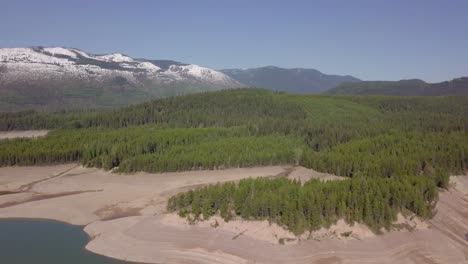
46, 242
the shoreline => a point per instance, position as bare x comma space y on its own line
69, 224
40, 220
143, 237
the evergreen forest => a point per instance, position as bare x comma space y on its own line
396, 151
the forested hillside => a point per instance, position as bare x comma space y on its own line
406, 145
323, 132
402, 88
295, 80
151, 149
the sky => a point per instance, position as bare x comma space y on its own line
369, 39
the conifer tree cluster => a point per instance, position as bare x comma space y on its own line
435, 155
394, 149
372, 201
152, 150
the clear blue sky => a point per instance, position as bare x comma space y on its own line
372, 40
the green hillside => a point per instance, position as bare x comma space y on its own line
413, 143
313, 125
402, 88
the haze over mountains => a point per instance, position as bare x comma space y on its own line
296, 80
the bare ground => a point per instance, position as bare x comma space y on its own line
137, 229
303, 174
78, 195
22, 134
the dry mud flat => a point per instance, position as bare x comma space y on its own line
124, 215
154, 240
78, 195
23, 134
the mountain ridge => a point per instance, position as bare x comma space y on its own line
407, 87
54, 78
291, 80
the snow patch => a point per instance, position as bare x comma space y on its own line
28, 55
57, 62
116, 57
60, 51
82, 53
148, 66
199, 72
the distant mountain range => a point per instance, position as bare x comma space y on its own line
413, 87
57, 78
64, 78
296, 80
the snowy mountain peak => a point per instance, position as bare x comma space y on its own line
66, 72
29, 55
199, 72
60, 51
115, 57
74, 61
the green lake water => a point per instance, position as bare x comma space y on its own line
45, 242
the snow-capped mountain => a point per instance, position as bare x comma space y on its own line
56, 78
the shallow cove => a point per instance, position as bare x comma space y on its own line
24, 241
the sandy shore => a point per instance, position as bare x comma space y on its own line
81, 195
157, 240
23, 134
303, 174
124, 215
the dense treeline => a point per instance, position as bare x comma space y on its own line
226, 108
153, 150
373, 201
395, 150
336, 134
424, 114
229, 152
30, 120
396, 155
251, 106
412, 87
